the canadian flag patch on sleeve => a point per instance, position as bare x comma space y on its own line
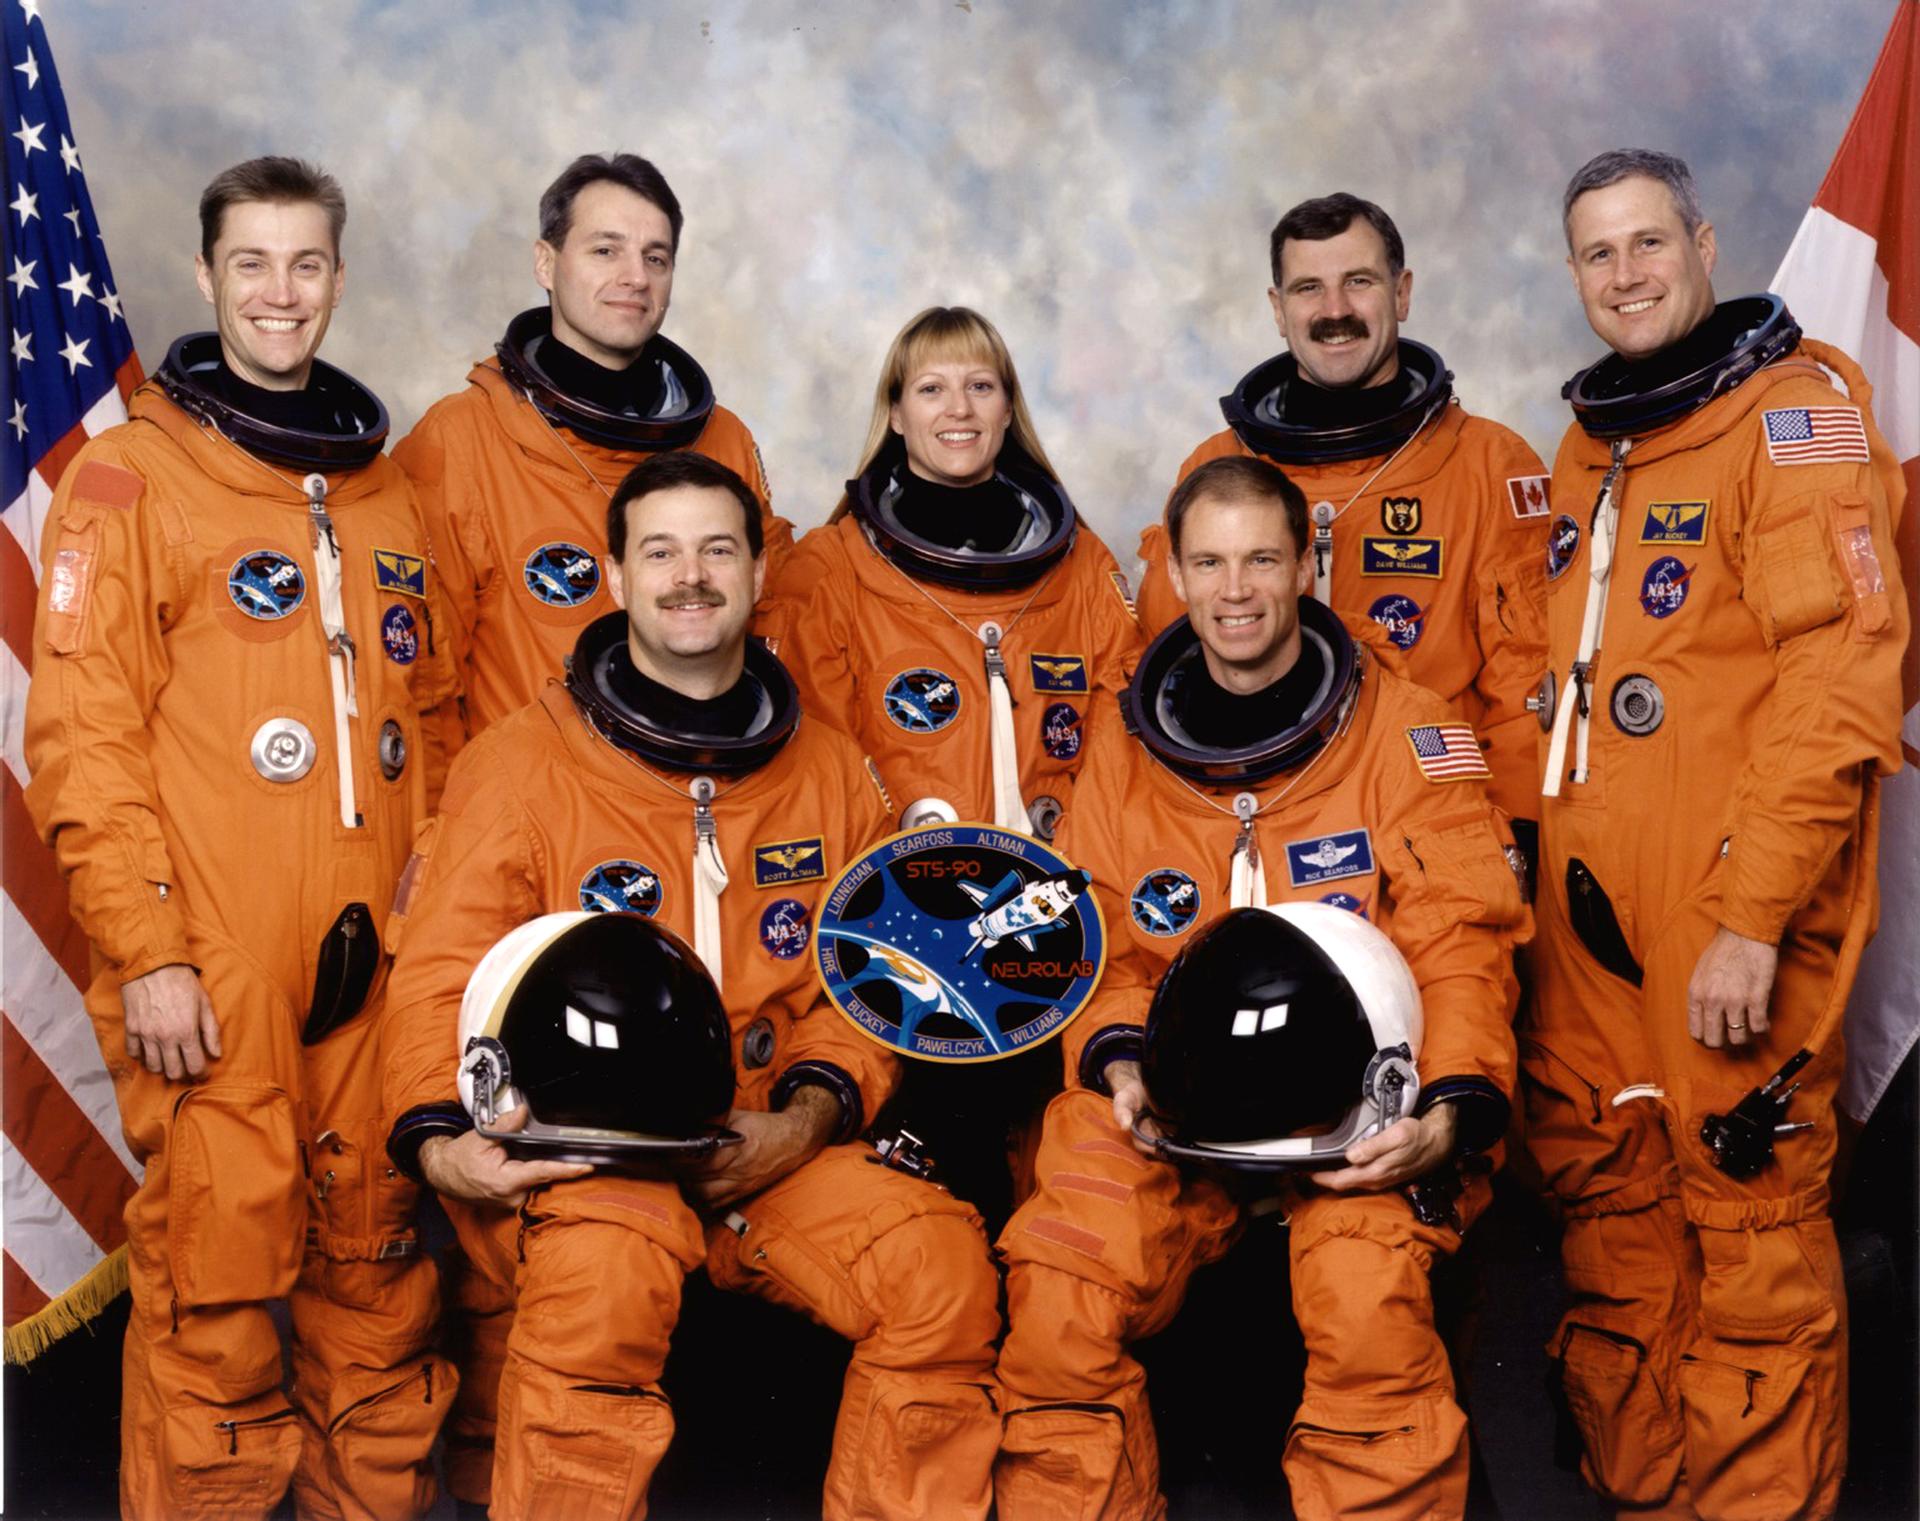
1528, 494
1447, 752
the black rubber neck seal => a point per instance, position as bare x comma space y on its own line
1149, 707
605, 639
1610, 400
1256, 410
196, 357
689, 393
1055, 524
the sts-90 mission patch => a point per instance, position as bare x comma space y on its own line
960, 943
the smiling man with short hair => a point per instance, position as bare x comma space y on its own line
1422, 518
1725, 627
234, 651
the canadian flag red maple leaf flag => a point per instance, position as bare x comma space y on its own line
1852, 278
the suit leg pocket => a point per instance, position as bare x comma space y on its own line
237, 1203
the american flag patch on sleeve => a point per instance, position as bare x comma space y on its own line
1815, 435
1447, 752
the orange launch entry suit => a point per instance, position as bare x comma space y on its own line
1704, 1355
180, 614
544, 815
1102, 1252
1441, 546
517, 509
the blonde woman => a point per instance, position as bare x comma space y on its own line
959, 619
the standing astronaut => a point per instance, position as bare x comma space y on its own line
1725, 624
239, 632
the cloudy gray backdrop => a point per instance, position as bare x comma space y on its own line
1098, 178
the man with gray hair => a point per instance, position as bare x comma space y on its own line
1725, 626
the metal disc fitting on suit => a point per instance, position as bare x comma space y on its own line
1639, 707
928, 810
283, 749
393, 750
1543, 701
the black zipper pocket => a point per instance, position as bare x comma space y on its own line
425, 1374
1593, 1090
349, 956
1590, 911
624, 1391
1751, 1375
234, 1428
1352, 1436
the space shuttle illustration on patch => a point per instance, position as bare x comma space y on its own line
1013, 910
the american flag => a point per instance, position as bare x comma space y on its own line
65, 1172
1447, 752
1815, 435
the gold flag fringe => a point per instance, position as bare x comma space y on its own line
105, 1282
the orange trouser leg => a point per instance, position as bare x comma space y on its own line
598, 1266
901, 1268
1378, 1432
1763, 1380
370, 1390
214, 1232
1631, 1268
1097, 1257
480, 1316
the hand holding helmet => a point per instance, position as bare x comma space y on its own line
608, 1040
1286, 1038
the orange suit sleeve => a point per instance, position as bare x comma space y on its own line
472, 878
1820, 573
1510, 623
462, 560
112, 583
1456, 914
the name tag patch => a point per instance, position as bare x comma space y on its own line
1401, 557
1058, 673
789, 861
1674, 523
395, 571
1330, 857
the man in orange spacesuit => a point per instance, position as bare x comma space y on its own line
238, 632
514, 470
1725, 625
1423, 518
672, 777
1271, 760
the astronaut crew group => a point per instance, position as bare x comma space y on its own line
1381, 662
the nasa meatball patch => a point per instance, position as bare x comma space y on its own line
621, 887
1402, 618
399, 636
1165, 901
1663, 589
959, 943
1060, 730
922, 700
785, 929
1330, 857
